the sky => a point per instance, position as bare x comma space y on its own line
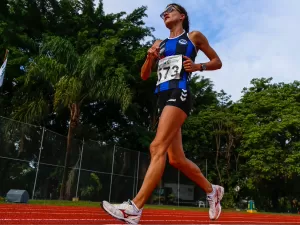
253, 38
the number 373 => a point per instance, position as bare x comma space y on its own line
167, 70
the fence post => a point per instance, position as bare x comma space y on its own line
38, 164
159, 191
206, 203
137, 174
112, 172
134, 174
178, 188
206, 168
79, 168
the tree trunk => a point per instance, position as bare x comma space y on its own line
217, 165
236, 162
218, 145
75, 112
118, 180
230, 144
155, 119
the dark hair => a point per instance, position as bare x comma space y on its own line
186, 22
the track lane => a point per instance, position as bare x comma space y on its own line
40, 214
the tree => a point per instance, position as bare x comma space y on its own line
74, 63
270, 141
74, 80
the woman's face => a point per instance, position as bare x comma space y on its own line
171, 16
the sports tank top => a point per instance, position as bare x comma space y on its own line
171, 73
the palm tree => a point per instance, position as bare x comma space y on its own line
72, 79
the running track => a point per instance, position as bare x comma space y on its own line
38, 214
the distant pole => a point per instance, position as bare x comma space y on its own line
6, 54
79, 168
206, 168
38, 164
3, 68
133, 187
206, 175
178, 188
137, 174
159, 192
112, 172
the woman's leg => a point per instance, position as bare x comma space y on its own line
178, 160
192, 171
170, 122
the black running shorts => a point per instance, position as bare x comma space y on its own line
176, 97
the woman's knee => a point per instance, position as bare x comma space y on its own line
157, 149
177, 163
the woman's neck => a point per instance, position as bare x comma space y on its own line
176, 31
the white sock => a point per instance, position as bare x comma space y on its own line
213, 191
137, 209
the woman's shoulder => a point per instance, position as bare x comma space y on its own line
197, 37
196, 34
157, 43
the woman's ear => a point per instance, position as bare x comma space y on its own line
182, 16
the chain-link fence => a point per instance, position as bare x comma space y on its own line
32, 158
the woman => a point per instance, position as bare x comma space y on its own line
175, 60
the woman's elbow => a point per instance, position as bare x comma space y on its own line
219, 64
144, 76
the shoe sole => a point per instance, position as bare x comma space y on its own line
219, 199
219, 213
117, 217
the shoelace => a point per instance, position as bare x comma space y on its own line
124, 205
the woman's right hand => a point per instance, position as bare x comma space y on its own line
152, 56
153, 52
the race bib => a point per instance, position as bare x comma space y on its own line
169, 68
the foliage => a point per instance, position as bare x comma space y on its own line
93, 188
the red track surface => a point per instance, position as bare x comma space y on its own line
36, 214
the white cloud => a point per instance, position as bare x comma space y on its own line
256, 42
253, 38
154, 8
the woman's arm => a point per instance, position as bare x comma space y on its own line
202, 44
152, 56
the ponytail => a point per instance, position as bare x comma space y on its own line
186, 24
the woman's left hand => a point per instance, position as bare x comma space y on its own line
189, 65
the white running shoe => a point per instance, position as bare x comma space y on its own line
215, 202
127, 211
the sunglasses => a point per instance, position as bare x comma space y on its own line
168, 10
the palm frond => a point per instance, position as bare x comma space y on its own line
31, 110
98, 58
45, 68
61, 50
112, 88
67, 91
103, 77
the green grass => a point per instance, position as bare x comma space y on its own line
97, 204
64, 203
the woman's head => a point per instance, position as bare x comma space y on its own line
175, 13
